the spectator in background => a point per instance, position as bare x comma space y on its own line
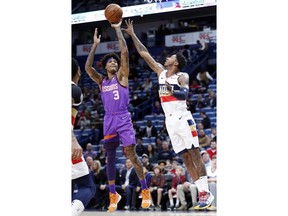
97, 124
94, 111
204, 78
152, 154
140, 148
179, 178
163, 164
200, 103
146, 163
150, 130
170, 27
202, 46
191, 106
137, 129
204, 140
128, 181
165, 153
200, 126
195, 87
157, 109
135, 100
163, 131
156, 187
205, 120
210, 99
136, 84
89, 162
213, 134
158, 144
213, 149
206, 159
97, 201
147, 85
182, 190
173, 167
89, 151
83, 122
101, 156
187, 53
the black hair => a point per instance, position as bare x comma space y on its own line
181, 61
75, 66
108, 56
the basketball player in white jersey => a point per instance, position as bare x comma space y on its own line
83, 187
181, 127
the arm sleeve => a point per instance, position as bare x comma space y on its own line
76, 95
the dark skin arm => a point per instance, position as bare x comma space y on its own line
142, 50
93, 74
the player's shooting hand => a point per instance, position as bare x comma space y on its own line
116, 25
96, 38
129, 29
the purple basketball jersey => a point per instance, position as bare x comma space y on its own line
115, 97
117, 119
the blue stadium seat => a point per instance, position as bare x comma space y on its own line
87, 135
149, 117
196, 115
211, 114
160, 117
208, 131
141, 123
121, 160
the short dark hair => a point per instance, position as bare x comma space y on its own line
108, 56
75, 66
182, 61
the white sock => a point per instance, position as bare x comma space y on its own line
198, 185
177, 202
77, 207
204, 183
171, 202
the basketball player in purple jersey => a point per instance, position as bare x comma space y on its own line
181, 127
117, 120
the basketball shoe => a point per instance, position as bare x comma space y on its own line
114, 199
205, 200
77, 207
146, 198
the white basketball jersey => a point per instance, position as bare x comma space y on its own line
170, 103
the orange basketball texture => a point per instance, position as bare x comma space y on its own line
113, 13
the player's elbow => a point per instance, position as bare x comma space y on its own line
88, 68
125, 52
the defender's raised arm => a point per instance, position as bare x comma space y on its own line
142, 50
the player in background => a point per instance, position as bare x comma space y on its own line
181, 127
83, 188
117, 120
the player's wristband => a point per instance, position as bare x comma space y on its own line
182, 94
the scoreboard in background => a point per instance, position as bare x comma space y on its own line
151, 7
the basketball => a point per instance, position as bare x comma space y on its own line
113, 13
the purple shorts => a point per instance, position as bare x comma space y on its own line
118, 126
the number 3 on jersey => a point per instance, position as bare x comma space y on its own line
116, 95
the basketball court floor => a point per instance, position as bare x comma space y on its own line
149, 213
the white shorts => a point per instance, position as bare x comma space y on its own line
182, 130
79, 168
